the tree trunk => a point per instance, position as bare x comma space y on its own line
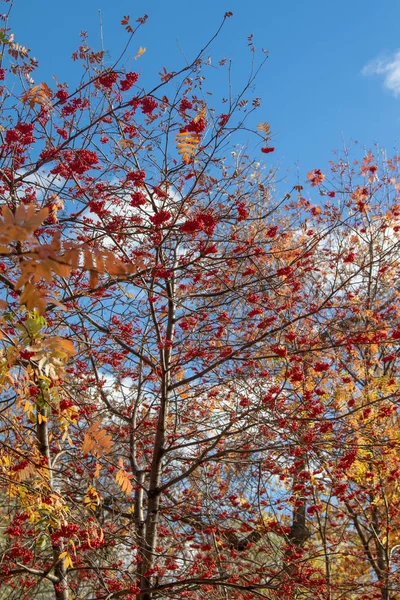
42, 432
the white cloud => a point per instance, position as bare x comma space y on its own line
389, 68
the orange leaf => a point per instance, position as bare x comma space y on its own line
40, 94
97, 441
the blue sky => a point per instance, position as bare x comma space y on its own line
332, 75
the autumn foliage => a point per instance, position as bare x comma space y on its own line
199, 376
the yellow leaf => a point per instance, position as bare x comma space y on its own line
73, 546
67, 559
92, 498
140, 52
25, 473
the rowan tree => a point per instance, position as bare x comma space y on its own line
192, 366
